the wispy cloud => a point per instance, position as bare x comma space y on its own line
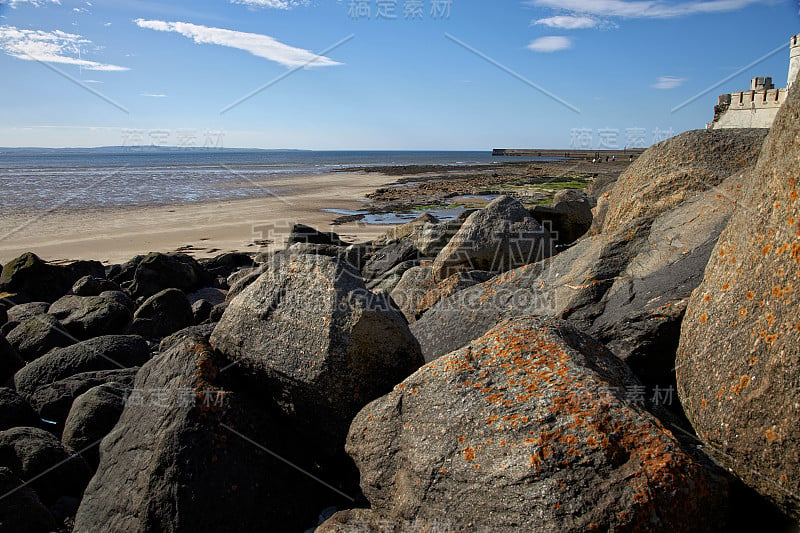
550, 44
151, 95
665, 83
35, 3
257, 44
645, 9
569, 22
274, 4
51, 47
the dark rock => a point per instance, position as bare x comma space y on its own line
498, 238
15, 411
738, 365
529, 428
21, 313
102, 353
158, 272
311, 330
204, 458
91, 286
567, 220
388, 281
36, 456
202, 332
10, 361
119, 297
226, 264
209, 294
163, 313
38, 335
305, 234
21, 511
239, 281
411, 290
201, 310
216, 313
3, 316
384, 259
91, 316
123, 274
40, 280
92, 416
53, 401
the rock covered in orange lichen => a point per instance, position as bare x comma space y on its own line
739, 358
527, 429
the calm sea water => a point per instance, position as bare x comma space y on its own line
42, 180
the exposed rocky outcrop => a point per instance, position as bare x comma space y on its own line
627, 285
738, 366
312, 331
203, 453
529, 428
500, 237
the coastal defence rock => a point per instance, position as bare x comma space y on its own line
15, 411
738, 362
90, 316
417, 290
311, 331
202, 455
102, 353
162, 314
628, 285
569, 217
528, 429
500, 237
21, 510
92, 416
38, 335
30, 276
157, 272
29, 452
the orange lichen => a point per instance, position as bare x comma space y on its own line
770, 435
469, 453
704, 318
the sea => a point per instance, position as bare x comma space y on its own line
41, 179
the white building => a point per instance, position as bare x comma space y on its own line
757, 107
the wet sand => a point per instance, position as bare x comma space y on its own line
203, 230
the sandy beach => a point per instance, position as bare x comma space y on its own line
204, 229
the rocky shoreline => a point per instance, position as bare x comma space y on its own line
618, 358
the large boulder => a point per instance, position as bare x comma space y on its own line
157, 272
628, 285
311, 330
92, 416
532, 427
200, 451
403, 231
500, 237
162, 314
300, 233
569, 217
92, 286
21, 511
22, 312
15, 411
38, 280
384, 259
53, 401
388, 281
418, 291
430, 238
38, 335
36, 456
91, 316
102, 353
226, 264
738, 363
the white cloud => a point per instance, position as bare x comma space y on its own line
668, 82
153, 95
274, 4
550, 44
645, 9
257, 44
51, 47
106, 24
34, 3
569, 22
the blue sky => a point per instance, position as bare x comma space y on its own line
449, 75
